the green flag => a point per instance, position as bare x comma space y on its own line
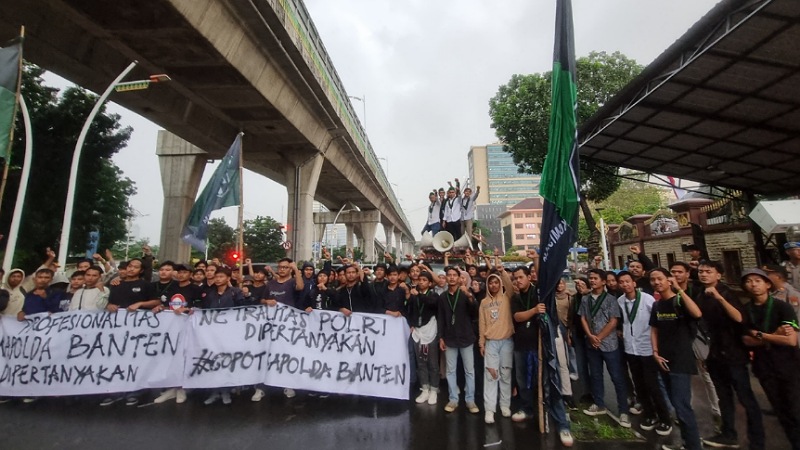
222, 190
9, 86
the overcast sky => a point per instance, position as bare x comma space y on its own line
427, 70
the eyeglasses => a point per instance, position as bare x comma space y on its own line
283, 267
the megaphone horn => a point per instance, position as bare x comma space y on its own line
443, 241
427, 240
463, 242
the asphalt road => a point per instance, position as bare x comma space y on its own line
303, 423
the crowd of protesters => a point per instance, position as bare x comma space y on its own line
649, 328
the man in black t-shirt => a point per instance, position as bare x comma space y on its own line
132, 293
728, 358
673, 327
772, 333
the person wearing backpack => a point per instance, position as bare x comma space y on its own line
727, 358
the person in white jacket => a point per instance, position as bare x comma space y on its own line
13, 285
93, 296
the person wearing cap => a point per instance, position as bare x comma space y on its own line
727, 358
13, 284
771, 332
433, 224
781, 289
792, 266
92, 296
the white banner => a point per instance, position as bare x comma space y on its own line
85, 353
90, 353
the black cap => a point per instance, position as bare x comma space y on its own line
181, 267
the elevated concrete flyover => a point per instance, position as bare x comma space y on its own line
256, 66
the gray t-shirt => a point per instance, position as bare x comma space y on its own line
605, 307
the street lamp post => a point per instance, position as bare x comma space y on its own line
606, 262
73, 174
363, 100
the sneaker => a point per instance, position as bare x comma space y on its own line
595, 410
169, 394
520, 416
226, 398
289, 392
4, 400
473, 408
212, 399
450, 407
635, 409
180, 396
570, 403
664, 429
433, 397
29, 399
648, 424
488, 417
673, 447
131, 401
423, 396
566, 438
258, 395
717, 420
505, 412
624, 421
720, 441
109, 401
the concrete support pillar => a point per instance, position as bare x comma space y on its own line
409, 246
398, 244
302, 185
182, 167
368, 230
349, 235
389, 230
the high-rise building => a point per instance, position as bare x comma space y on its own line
494, 170
488, 217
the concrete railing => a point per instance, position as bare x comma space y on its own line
297, 22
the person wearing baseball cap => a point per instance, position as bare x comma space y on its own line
793, 264
782, 290
771, 331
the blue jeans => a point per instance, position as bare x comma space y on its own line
614, 366
526, 363
468, 360
730, 378
499, 355
433, 228
679, 386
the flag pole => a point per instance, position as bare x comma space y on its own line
7, 162
539, 386
240, 246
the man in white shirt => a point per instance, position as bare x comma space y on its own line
636, 309
452, 214
468, 208
433, 224
91, 297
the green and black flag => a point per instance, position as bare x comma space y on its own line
559, 184
10, 58
222, 190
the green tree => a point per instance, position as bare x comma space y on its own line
221, 238
262, 239
520, 113
102, 191
632, 198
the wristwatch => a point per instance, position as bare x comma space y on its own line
759, 335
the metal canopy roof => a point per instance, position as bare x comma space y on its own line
721, 106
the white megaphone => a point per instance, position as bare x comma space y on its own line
443, 241
463, 242
427, 240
